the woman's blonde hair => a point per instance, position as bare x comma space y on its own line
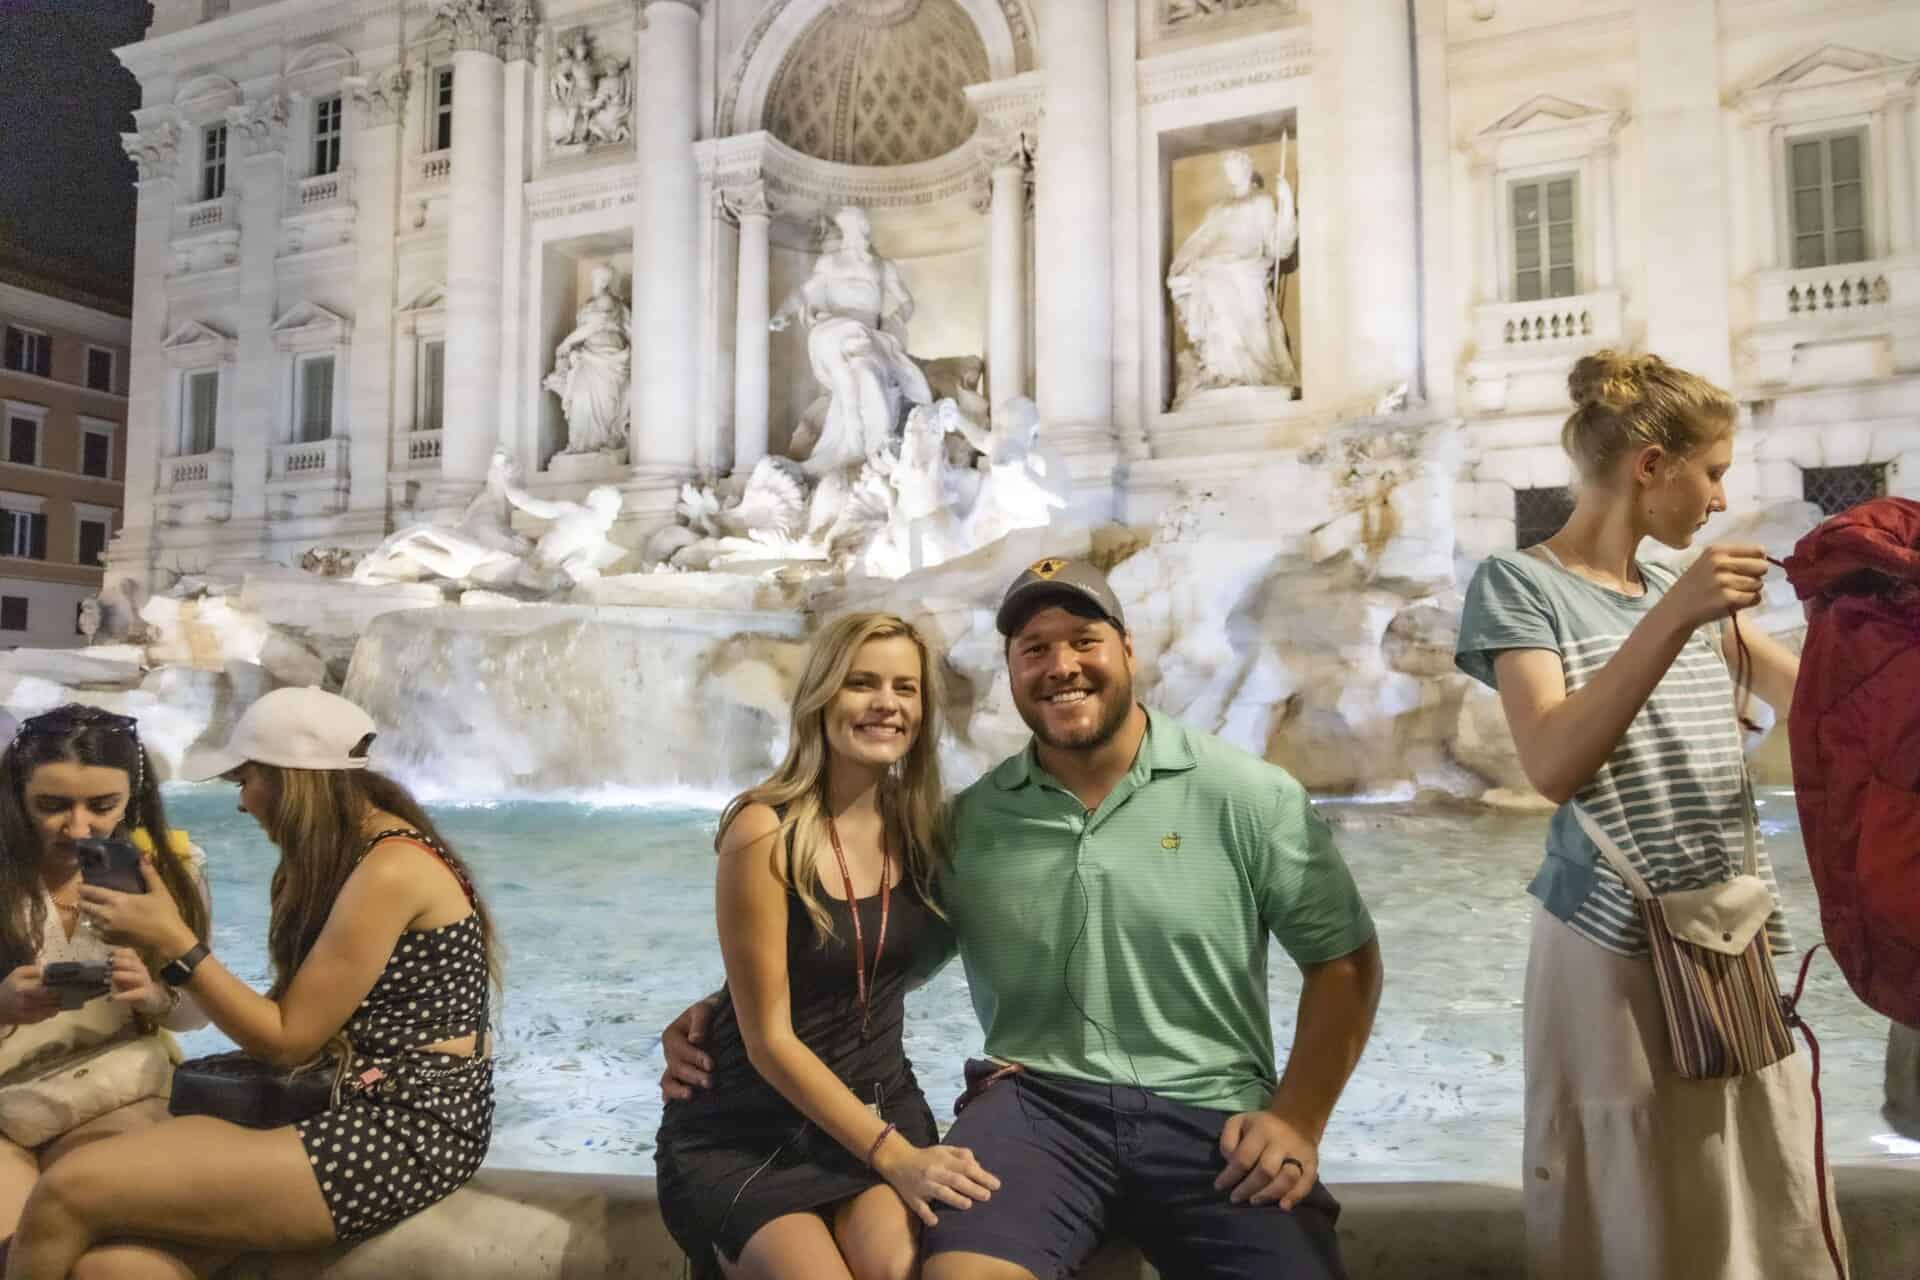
1625, 402
316, 820
911, 797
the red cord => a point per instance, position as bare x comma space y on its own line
1794, 1019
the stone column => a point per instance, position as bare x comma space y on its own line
475, 229
1893, 113
1378, 208
1486, 241
1684, 207
154, 151
1073, 229
1007, 281
1762, 138
517, 428
257, 132
1605, 269
752, 344
666, 252
379, 101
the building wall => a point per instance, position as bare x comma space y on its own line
55, 485
1660, 108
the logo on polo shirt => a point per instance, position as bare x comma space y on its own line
1046, 568
1170, 842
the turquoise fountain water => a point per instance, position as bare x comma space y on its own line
608, 918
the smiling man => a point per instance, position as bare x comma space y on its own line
1112, 889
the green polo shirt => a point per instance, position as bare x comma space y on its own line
1129, 945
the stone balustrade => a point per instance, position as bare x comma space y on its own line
422, 448
321, 191
206, 217
309, 459
1849, 291
556, 1226
1522, 350
207, 470
435, 167
1589, 319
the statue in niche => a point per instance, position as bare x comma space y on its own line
1225, 284
591, 371
589, 103
854, 309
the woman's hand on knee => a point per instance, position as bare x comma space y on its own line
937, 1176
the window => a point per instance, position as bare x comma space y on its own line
23, 534
1829, 199
1543, 239
1539, 513
96, 454
23, 441
199, 410
316, 398
13, 613
433, 386
99, 369
1834, 489
93, 541
326, 135
443, 108
213, 162
29, 351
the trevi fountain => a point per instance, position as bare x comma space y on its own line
657, 332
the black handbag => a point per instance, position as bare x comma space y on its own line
242, 1089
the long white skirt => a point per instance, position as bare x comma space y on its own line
1632, 1172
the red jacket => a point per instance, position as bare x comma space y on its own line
1855, 733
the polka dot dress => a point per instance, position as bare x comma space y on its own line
411, 1126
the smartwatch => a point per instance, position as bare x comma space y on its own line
175, 973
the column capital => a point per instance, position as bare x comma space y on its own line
262, 123
740, 200
381, 97
481, 26
153, 150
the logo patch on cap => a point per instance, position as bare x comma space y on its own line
1046, 568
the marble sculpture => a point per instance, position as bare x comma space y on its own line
592, 371
1224, 283
589, 103
854, 310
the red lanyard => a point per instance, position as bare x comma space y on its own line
853, 909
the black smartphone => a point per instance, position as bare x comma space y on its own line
76, 981
110, 864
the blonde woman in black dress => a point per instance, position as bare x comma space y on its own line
815, 1154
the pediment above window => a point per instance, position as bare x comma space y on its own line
1833, 77
308, 326
196, 343
1546, 128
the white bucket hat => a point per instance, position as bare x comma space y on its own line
293, 729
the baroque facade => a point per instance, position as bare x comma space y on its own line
365, 227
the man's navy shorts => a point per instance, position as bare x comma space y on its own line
1077, 1161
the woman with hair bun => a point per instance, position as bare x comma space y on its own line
1614, 676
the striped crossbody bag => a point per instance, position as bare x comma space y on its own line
1722, 1001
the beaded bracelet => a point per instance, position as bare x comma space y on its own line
874, 1150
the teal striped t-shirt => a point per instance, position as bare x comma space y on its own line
1673, 792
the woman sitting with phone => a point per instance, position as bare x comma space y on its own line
815, 1154
82, 1054
382, 953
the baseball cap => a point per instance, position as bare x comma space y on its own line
293, 729
1056, 579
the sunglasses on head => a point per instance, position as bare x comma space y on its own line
78, 716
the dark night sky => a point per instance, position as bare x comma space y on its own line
66, 187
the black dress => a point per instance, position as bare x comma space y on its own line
739, 1155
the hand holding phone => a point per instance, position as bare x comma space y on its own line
110, 864
76, 981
